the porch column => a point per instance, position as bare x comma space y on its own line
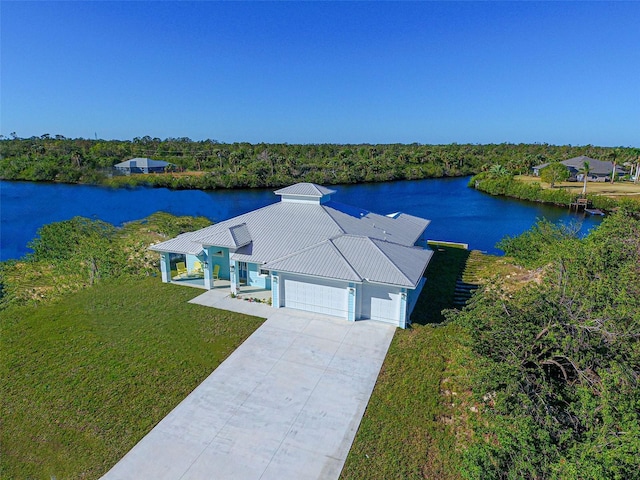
208, 275
275, 290
165, 267
207, 270
351, 303
233, 275
403, 309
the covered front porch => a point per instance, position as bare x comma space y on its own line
212, 269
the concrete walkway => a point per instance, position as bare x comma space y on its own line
285, 405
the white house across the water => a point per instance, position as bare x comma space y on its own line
311, 253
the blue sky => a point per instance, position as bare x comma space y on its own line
324, 72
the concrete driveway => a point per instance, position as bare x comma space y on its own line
285, 405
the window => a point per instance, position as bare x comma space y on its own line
219, 253
264, 273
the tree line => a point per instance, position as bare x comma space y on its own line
209, 164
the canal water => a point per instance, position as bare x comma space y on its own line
457, 213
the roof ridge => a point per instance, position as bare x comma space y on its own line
324, 209
373, 241
390, 242
313, 190
316, 245
344, 259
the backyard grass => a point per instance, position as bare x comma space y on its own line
616, 189
416, 422
86, 377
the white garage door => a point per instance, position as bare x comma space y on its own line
322, 297
380, 304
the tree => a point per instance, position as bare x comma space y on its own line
498, 170
555, 172
584, 171
80, 244
613, 155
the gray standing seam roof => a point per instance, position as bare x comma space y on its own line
306, 190
357, 258
142, 163
329, 240
181, 244
233, 236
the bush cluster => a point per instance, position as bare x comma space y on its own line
559, 361
73, 254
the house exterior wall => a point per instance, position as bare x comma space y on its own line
191, 260
254, 278
219, 256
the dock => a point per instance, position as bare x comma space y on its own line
581, 203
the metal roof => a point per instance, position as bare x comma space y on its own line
323, 240
181, 244
142, 162
380, 261
357, 258
306, 190
320, 260
229, 236
596, 167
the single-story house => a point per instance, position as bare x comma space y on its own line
600, 171
141, 165
312, 253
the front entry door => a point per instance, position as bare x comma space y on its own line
242, 272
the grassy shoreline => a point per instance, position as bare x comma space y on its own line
601, 196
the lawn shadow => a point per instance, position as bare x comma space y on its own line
439, 292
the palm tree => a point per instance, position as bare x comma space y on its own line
498, 170
585, 170
613, 155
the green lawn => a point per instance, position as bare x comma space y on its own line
416, 422
83, 379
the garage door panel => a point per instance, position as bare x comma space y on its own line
322, 297
378, 303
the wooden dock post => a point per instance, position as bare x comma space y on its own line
581, 203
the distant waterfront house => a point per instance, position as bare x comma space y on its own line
600, 170
141, 165
310, 253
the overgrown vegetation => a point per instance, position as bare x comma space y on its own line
209, 164
508, 186
558, 361
74, 254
